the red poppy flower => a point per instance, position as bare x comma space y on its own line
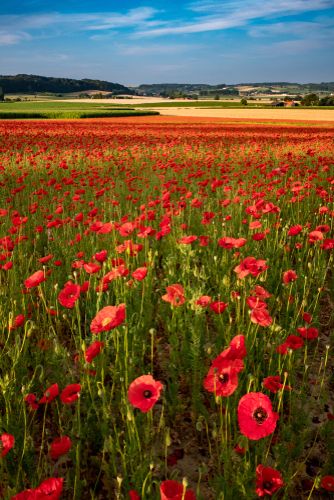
144, 392
308, 333
129, 247
173, 490
17, 321
70, 394
127, 228
84, 287
91, 268
175, 295
255, 416
203, 301
7, 442
25, 495
260, 292
268, 480
31, 401
273, 384
250, 265
307, 317
50, 394
282, 348
294, 230
218, 307
315, 236
35, 279
93, 350
60, 446
203, 241
255, 303
187, 240
140, 273
133, 495
236, 350
261, 317
229, 243
294, 342
44, 260
108, 318
289, 276
50, 489
327, 482
239, 449
328, 244
238, 347
222, 379
101, 256
69, 295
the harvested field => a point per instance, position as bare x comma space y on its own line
258, 114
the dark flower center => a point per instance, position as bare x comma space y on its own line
223, 378
267, 485
260, 415
147, 394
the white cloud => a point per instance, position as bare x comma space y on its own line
10, 38
213, 16
96, 21
163, 49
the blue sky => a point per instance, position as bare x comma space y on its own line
145, 41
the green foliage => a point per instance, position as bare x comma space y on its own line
310, 100
35, 83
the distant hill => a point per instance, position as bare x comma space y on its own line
30, 84
173, 89
168, 89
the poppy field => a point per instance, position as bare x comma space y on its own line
166, 310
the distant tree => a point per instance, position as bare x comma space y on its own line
217, 97
310, 100
2, 95
244, 101
327, 101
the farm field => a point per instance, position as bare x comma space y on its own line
245, 113
167, 308
113, 108
67, 110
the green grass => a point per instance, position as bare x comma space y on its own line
65, 111
54, 106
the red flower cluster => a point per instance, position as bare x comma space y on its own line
50, 489
68, 395
175, 295
173, 490
259, 314
222, 378
7, 442
251, 266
